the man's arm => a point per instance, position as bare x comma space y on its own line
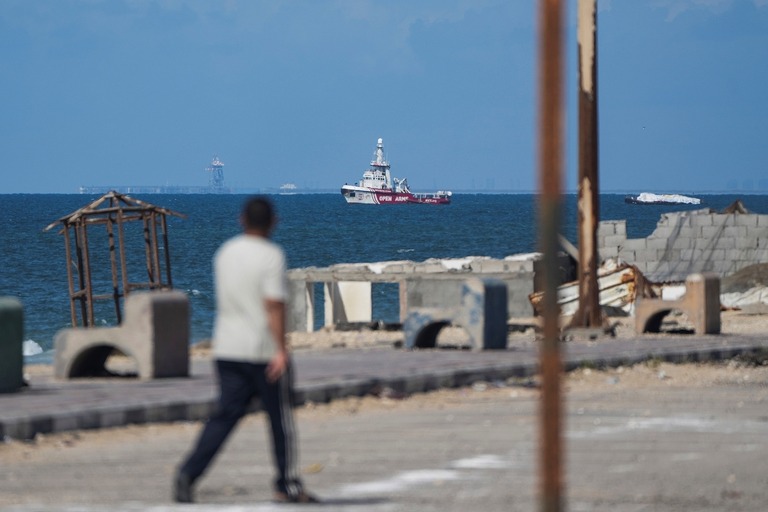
276, 320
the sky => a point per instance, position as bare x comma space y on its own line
146, 92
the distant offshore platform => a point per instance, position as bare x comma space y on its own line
215, 185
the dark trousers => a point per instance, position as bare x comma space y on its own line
239, 384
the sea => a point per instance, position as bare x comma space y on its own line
314, 229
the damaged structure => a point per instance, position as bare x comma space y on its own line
683, 244
154, 328
690, 242
126, 221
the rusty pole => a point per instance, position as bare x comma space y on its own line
588, 314
550, 170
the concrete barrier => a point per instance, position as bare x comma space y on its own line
430, 284
701, 303
482, 313
11, 345
154, 332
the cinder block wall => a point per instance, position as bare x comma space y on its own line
684, 243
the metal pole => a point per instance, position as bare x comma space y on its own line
551, 14
588, 314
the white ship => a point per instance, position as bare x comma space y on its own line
379, 187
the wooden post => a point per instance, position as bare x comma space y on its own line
550, 171
588, 314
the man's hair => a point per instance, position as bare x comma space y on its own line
258, 213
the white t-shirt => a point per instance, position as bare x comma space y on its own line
247, 270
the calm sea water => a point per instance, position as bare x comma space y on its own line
314, 229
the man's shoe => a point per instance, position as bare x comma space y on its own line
301, 497
182, 489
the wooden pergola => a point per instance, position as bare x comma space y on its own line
114, 211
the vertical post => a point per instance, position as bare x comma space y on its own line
145, 220
588, 314
123, 263
550, 170
83, 227
82, 293
158, 275
164, 225
113, 267
70, 277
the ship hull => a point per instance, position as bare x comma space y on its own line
365, 195
649, 198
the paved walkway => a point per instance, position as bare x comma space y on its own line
49, 405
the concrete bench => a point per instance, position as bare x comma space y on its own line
154, 332
11, 345
482, 313
701, 303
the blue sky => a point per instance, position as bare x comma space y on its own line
145, 92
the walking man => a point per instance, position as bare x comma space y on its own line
250, 352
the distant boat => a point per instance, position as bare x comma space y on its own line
649, 198
288, 189
376, 187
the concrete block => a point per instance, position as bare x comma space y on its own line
517, 265
629, 256
658, 271
300, 309
726, 243
518, 291
608, 252
614, 241
606, 227
701, 303
11, 345
668, 254
670, 219
494, 266
634, 244
711, 232
154, 332
433, 268
663, 232
422, 325
397, 268
348, 301
430, 293
746, 243
482, 313
717, 254
657, 243
749, 221
691, 254
722, 219
734, 255
681, 242
649, 255
701, 220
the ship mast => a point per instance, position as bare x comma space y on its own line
380, 164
